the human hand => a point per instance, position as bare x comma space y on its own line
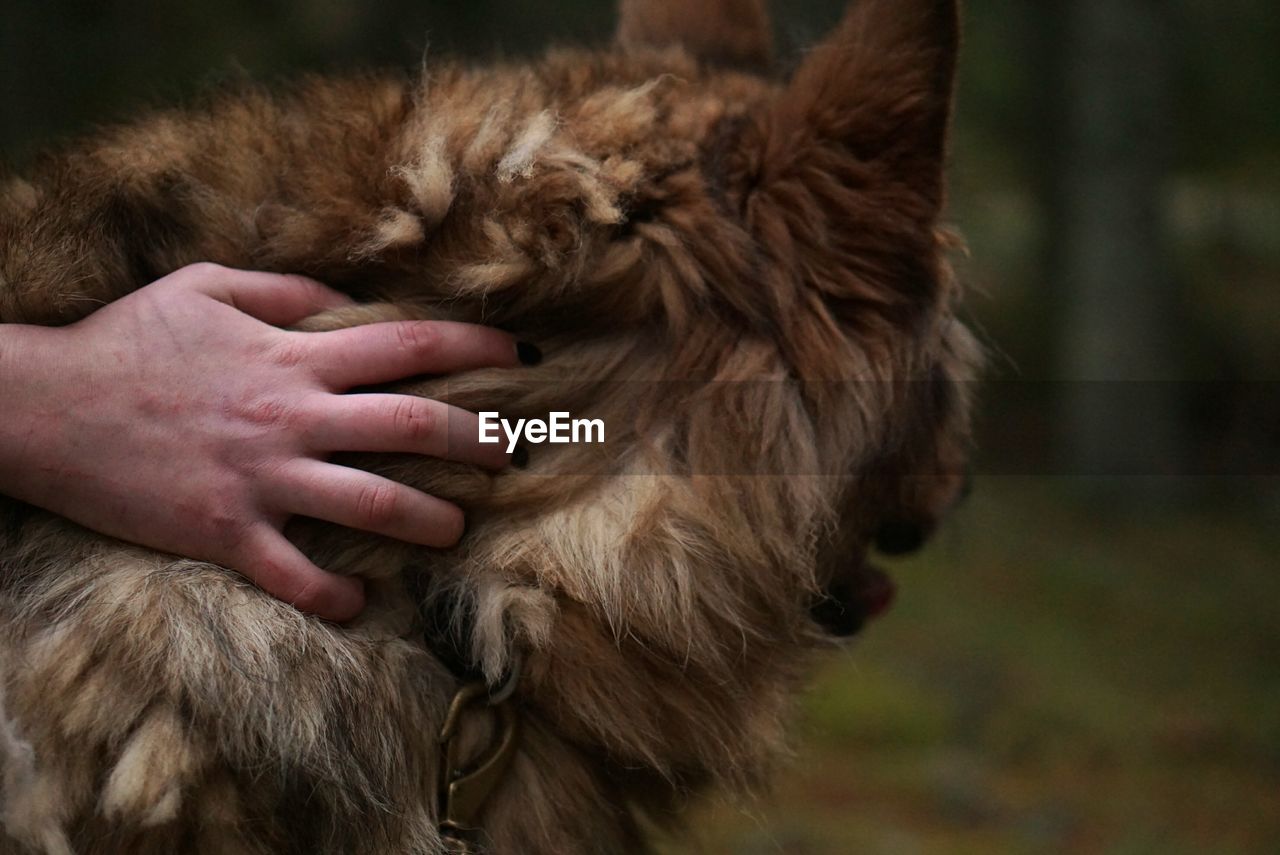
182, 418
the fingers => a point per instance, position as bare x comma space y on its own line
401, 424
364, 501
272, 298
276, 566
381, 353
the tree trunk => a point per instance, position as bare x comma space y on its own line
1120, 404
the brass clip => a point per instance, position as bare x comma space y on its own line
464, 790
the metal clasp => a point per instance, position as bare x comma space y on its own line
465, 789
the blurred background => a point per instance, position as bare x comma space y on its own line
1088, 658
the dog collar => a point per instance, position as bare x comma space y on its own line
467, 783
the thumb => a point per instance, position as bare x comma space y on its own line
274, 298
276, 566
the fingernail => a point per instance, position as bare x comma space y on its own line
520, 457
528, 354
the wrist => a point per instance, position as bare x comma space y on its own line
29, 356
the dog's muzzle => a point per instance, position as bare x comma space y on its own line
851, 600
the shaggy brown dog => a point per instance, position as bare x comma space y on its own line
744, 278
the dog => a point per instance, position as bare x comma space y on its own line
744, 277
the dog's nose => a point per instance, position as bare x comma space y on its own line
904, 536
900, 538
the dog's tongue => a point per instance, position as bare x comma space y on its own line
866, 592
874, 591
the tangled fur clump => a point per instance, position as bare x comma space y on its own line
722, 267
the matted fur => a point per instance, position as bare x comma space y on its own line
722, 266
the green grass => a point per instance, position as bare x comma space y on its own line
1053, 679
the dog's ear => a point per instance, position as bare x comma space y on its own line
726, 32
880, 90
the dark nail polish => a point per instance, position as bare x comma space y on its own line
900, 538
520, 457
528, 354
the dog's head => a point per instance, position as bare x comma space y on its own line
746, 280
826, 192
